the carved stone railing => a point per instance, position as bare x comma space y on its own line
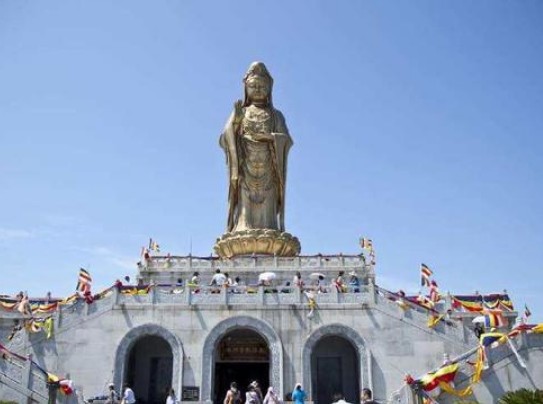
243, 295
448, 328
242, 264
68, 316
23, 379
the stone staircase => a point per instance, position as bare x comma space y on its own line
22, 382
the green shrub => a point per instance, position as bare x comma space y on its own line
522, 396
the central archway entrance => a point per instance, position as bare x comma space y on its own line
242, 356
149, 369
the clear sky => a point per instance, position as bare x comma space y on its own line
416, 123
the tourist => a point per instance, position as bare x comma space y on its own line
171, 399
367, 396
194, 282
218, 279
479, 330
233, 395
265, 279
298, 395
286, 288
112, 396
24, 306
319, 284
339, 399
258, 390
354, 282
128, 395
298, 280
339, 283
235, 287
229, 282
251, 396
271, 397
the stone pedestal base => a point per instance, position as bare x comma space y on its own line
257, 242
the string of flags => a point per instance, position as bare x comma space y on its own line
432, 384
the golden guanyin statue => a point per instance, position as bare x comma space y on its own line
256, 142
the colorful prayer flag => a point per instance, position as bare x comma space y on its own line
66, 386
366, 243
425, 273
469, 303
434, 292
153, 245
489, 338
84, 280
494, 319
445, 374
527, 312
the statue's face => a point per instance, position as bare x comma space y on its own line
258, 89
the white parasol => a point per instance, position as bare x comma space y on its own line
266, 277
479, 319
317, 275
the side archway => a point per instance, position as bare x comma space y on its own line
148, 330
339, 330
241, 322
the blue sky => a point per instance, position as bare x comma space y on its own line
415, 123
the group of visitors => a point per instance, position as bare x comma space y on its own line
342, 286
128, 396
252, 396
298, 395
235, 285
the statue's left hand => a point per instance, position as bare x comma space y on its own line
262, 137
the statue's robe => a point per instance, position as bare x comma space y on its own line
230, 141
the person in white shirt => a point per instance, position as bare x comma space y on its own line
339, 399
172, 399
128, 395
219, 279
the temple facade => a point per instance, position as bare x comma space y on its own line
168, 332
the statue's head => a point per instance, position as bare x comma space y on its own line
258, 85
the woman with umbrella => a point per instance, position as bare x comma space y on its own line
318, 282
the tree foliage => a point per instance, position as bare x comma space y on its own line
522, 396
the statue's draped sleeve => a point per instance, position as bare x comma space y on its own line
282, 144
228, 142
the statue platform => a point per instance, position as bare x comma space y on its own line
257, 242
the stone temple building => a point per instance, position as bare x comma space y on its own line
184, 326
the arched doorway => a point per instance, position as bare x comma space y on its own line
149, 369
209, 353
242, 355
334, 369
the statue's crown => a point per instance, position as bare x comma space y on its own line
258, 69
